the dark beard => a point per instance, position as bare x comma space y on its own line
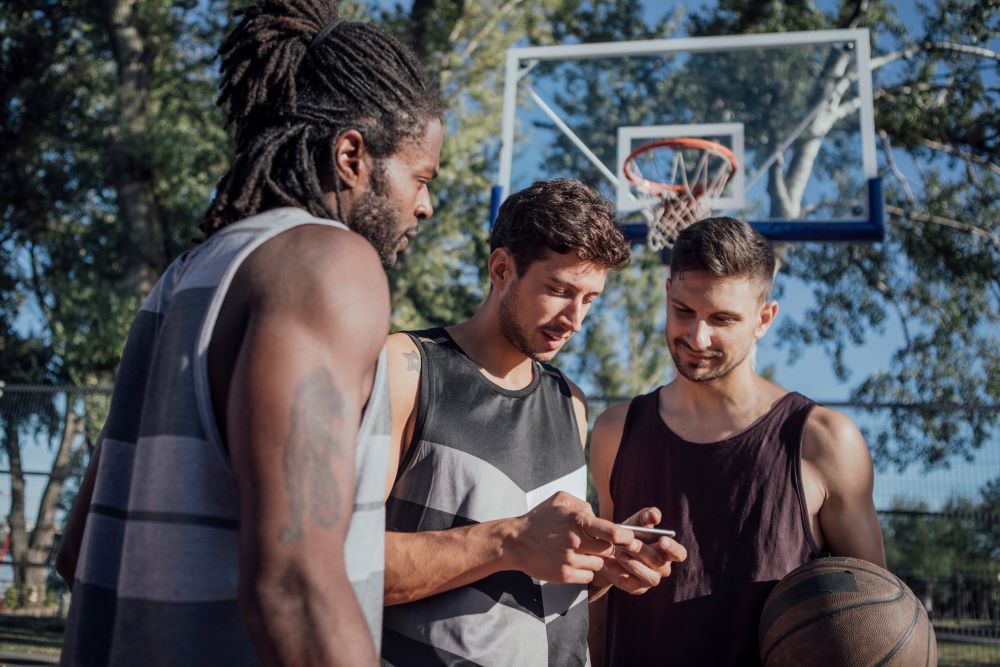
510, 328
375, 218
718, 374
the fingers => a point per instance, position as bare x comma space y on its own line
675, 550
640, 577
580, 568
609, 531
647, 516
661, 554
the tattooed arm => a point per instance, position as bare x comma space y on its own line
311, 311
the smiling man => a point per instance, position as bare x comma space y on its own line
490, 546
756, 480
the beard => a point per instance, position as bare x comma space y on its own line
513, 330
706, 375
376, 219
516, 333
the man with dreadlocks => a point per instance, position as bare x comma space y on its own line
233, 511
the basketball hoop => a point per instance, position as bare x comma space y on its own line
675, 196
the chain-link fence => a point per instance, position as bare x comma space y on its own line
942, 528
46, 435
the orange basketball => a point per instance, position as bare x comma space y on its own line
844, 612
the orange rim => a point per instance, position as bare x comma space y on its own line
685, 142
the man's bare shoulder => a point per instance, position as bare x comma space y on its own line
401, 344
613, 419
831, 441
404, 363
311, 255
319, 274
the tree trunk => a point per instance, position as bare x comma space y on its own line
131, 175
43, 535
15, 519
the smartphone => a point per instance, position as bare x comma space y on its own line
650, 531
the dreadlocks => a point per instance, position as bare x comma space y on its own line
294, 76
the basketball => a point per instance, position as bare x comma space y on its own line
844, 612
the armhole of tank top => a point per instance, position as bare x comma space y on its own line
424, 406
569, 392
800, 490
630, 417
202, 388
379, 393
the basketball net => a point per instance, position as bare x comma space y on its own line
675, 197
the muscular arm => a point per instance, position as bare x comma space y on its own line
554, 542
316, 314
837, 465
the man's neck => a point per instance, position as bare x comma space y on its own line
714, 410
480, 338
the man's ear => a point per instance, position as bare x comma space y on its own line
767, 314
350, 160
502, 268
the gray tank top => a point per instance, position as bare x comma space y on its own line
481, 452
156, 581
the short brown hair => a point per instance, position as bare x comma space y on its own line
724, 247
560, 216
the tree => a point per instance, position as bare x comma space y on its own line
938, 271
112, 145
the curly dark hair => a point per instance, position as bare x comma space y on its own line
294, 77
725, 247
560, 216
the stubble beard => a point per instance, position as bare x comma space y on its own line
512, 329
376, 219
711, 376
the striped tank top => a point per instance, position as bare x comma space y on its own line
156, 581
480, 452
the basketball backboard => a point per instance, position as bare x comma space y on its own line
794, 109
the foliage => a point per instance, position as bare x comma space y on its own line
95, 133
936, 276
112, 144
950, 556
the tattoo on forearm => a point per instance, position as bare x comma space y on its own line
412, 361
310, 453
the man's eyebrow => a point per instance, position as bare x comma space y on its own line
677, 302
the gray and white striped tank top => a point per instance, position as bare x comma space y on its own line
156, 582
481, 452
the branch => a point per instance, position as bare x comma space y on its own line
887, 148
929, 47
474, 43
860, 11
889, 296
920, 216
958, 152
48, 312
476, 40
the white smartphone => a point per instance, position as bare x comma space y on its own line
650, 531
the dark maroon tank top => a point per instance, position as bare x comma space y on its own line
738, 508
